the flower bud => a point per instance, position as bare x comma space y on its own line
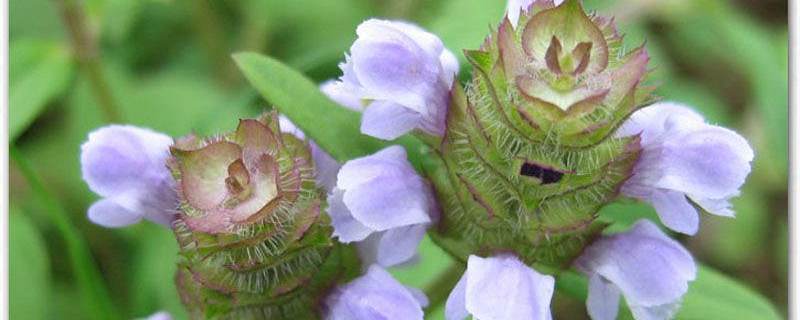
253, 240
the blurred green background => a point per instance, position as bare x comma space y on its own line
165, 64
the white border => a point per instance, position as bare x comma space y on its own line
794, 148
4, 39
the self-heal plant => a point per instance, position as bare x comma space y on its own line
507, 174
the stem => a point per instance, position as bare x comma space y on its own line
438, 291
95, 296
88, 56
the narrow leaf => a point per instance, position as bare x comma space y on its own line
39, 73
333, 127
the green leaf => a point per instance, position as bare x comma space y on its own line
29, 269
712, 296
334, 128
715, 296
39, 72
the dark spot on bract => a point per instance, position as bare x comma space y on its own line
546, 175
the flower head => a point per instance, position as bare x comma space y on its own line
253, 237
126, 165
375, 296
500, 287
404, 72
651, 270
685, 164
382, 198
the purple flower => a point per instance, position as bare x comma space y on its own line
500, 287
126, 165
332, 89
326, 166
685, 158
651, 270
381, 201
403, 72
375, 296
162, 315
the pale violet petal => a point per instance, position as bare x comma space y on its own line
651, 121
720, 207
675, 211
456, 305
341, 94
373, 296
390, 162
660, 312
162, 315
399, 245
110, 215
386, 203
388, 121
713, 162
127, 166
684, 156
649, 268
418, 295
503, 287
120, 158
345, 226
427, 41
450, 67
515, 8
390, 65
288, 126
602, 303
326, 167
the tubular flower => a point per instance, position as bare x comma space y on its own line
500, 287
651, 270
686, 164
375, 296
254, 242
126, 165
380, 201
403, 72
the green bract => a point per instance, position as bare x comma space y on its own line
254, 242
529, 156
